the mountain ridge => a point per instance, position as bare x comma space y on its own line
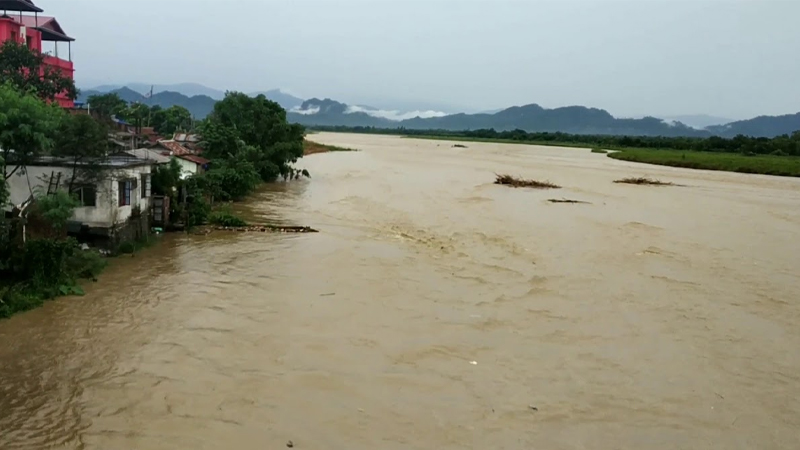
531, 117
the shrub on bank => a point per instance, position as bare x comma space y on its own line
226, 219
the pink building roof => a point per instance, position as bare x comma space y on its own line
45, 22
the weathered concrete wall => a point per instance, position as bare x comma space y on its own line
106, 214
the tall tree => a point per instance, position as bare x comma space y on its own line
27, 128
271, 143
107, 105
25, 69
84, 141
170, 120
137, 114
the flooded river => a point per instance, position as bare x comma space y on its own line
436, 310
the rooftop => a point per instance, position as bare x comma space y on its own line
116, 161
19, 5
49, 27
149, 154
195, 159
174, 147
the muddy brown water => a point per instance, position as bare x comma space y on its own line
432, 311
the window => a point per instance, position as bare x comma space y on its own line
14, 37
146, 185
86, 195
125, 191
29, 41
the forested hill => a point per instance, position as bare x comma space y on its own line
199, 105
761, 126
531, 118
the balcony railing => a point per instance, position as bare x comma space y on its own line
62, 64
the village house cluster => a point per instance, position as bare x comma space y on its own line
119, 198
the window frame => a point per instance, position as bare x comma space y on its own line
125, 192
79, 193
146, 185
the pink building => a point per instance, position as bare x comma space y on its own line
21, 22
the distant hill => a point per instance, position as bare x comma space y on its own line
571, 119
197, 98
187, 89
699, 121
199, 105
761, 126
288, 101
531, 118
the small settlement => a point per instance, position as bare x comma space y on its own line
117, 204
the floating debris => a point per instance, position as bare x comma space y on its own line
510, 180
566, 200
645, 181
257, 229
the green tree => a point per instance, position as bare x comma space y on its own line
56, 208
27, 128
166, 178
24, 68
136, 114
170, 120
107, 105
85, 141
256, 129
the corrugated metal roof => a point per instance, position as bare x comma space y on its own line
174, 147
149, 154
195, 159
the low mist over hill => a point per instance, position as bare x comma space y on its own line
531, 118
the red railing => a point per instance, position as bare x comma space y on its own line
67, 70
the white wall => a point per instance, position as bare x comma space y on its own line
188, 168
107, 211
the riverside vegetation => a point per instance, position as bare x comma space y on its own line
247, 140
776, 156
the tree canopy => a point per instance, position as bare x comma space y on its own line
27, 127
106, 105
25, 69
168, 121
85, 141
254, 129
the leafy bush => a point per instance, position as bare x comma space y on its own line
56, 208
226, 219
231, 180
126, 248
86, 264
197, 211
166, 177
44, 261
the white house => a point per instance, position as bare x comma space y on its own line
107, 204
189, 161
191, 165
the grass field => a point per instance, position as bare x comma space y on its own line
786, 166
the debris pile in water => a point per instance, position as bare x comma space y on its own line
510, 180
644, 181
259, 229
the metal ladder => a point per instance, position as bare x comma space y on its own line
52, 186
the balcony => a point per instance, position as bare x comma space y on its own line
65, 66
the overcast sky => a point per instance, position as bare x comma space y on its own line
729, 58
